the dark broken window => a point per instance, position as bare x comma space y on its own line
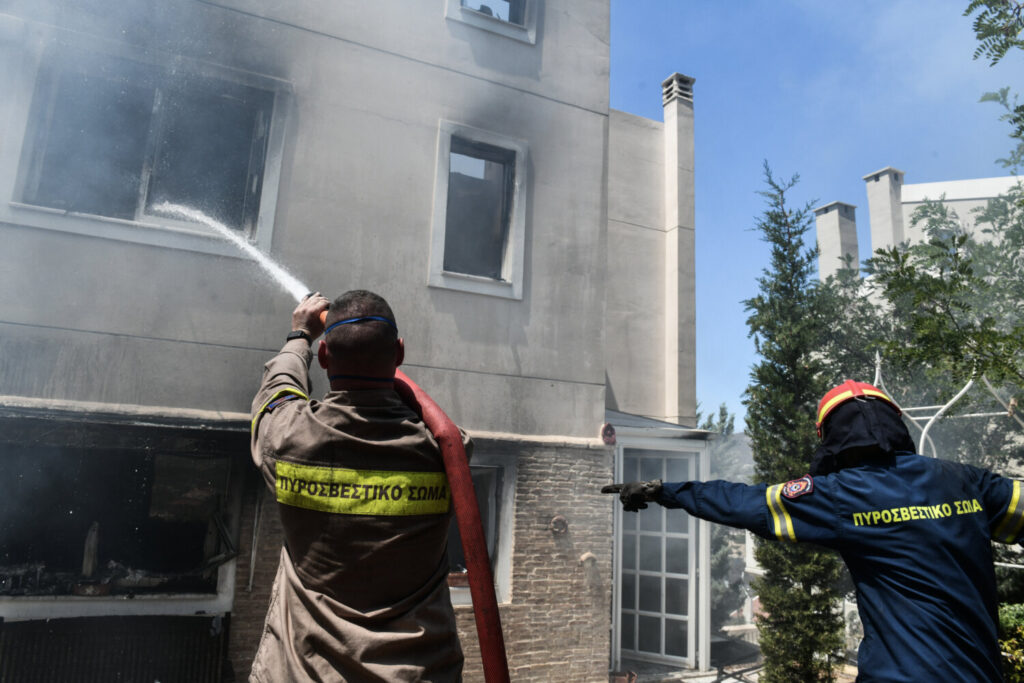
512, 11
115, 138
481, 180
487, 482
90, 521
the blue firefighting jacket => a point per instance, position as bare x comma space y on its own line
915, 534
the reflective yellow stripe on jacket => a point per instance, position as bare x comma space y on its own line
1009, 527
782, 524
362, 492
279, 394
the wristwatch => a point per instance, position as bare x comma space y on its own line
300, 334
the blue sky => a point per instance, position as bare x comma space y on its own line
829, 90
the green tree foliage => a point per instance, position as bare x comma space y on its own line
1014, 115
800, 627
997, 25
1011, 641
960, 296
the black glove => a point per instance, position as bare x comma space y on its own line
635, 495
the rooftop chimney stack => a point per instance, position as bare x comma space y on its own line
885, 190
680, 298
836, 225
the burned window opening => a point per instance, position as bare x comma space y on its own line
481, 181
153, 511
115, 138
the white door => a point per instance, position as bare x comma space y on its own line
656, 565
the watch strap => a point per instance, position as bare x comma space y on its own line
300, 334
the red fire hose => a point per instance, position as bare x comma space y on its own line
467, 515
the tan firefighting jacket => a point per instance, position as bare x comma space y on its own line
361, 593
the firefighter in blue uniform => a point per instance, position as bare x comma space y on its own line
914, 532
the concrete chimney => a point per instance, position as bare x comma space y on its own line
680, 298
836, 225
885, 189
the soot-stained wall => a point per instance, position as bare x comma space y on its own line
158, 313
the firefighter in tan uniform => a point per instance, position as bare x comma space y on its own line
361, 592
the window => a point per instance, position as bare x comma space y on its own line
120, 523
514, 19
480, 187
479, 224
117, 140
494, 482
114, 515
512, 11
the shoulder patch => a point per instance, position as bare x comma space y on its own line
798, 487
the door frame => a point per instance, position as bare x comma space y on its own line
678, 440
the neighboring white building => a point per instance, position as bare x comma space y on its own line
891, 205
458, 157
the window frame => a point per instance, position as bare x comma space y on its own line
16, 163
510, 286
525, 32
504, 525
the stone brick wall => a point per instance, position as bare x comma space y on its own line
557, 626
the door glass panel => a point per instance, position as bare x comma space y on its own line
650, 634
677, 555
650, 553
676, 596
676, 637
630, 520
651, 468
628, 551
677, 521
628, 628
650, 593
629, 591
651, 518
678, 469
630, 470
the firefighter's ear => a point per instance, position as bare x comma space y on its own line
322, 354
399, 352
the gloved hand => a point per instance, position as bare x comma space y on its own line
635, 495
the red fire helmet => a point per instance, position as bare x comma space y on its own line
844, 392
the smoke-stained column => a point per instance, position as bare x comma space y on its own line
836, 225
680, 300
885, 207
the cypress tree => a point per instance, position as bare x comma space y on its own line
800, 627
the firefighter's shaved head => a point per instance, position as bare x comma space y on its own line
361, 333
